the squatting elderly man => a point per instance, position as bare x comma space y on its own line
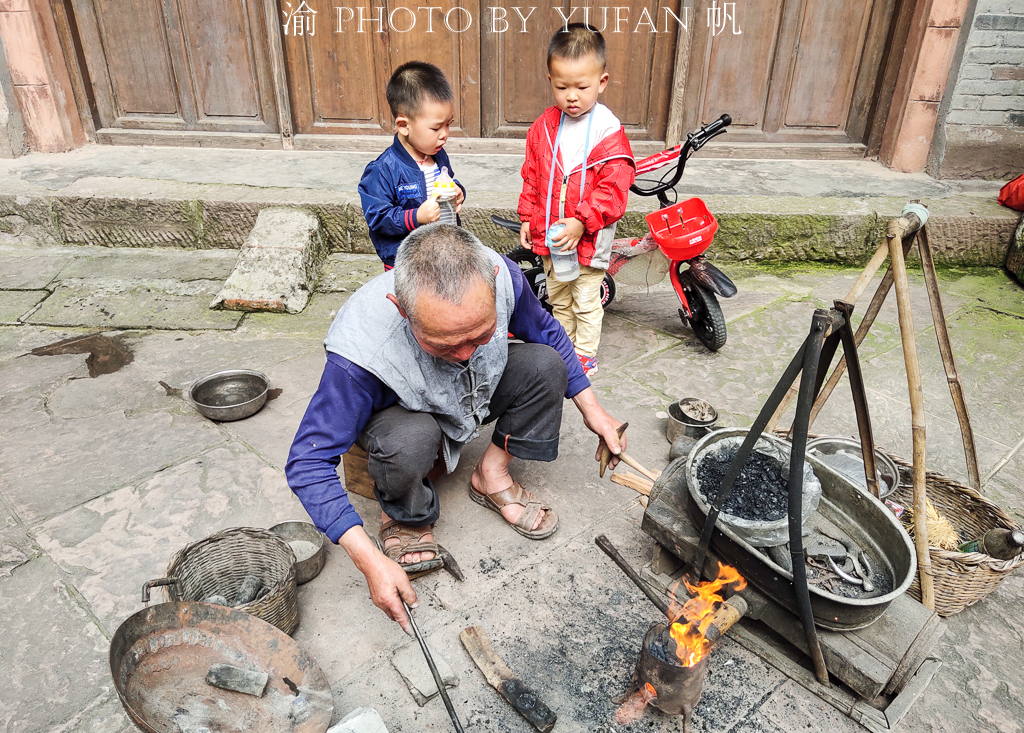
417, 360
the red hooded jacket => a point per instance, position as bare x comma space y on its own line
610, 172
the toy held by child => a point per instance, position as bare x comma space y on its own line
397, 190
578, 170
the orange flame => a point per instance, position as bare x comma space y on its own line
633, 709
691, 643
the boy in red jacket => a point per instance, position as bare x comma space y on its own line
578, 171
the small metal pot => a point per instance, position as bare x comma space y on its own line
679, 423
309, 568
678, 688
230, 395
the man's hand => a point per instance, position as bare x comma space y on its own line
603, 425
525, 240
429, 211
571, 235
388, 583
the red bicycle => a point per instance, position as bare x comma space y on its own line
682, 232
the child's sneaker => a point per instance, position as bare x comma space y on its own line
589, 364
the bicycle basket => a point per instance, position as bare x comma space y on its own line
683, 230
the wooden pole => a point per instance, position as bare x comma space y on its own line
894, 235
956, 388
865, 277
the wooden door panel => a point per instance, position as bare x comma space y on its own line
455, 53
337, 79
826, 65
132, 36
516, 90
796, 73
221, 59
189, 65
739, 67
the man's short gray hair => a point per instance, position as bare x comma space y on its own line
442, 260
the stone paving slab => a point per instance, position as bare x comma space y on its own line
180, 358
55, 656
14, 304
115, 304
53, 465
30, 271
120, 540
347, 272
149, 264
312, 323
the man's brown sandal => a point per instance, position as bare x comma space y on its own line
410, 540
532, 508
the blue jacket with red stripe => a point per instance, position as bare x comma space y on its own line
391, 190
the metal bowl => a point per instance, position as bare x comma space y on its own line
845, 456
230, 395
292, 532
679, 423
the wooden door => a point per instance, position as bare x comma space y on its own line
178, 65
799, 71
337, 77
640, 62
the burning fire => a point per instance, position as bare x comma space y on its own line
691, 643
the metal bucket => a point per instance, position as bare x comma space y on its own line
678, 688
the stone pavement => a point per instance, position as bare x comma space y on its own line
103, 479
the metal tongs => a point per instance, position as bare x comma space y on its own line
433, 669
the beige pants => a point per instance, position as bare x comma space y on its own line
577, 306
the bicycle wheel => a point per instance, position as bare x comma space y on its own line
607, 291
533, 270
706, 317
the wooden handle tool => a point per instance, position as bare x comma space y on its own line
502, 679
606, 453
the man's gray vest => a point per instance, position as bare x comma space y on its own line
369, 331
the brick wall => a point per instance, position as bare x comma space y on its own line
982, 133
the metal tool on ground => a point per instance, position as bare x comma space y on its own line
433, 669
501, 678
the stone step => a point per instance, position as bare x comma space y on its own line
966, 228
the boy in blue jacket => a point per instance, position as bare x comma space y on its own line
396, 188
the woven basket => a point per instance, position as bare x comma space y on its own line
961, 578
218, 564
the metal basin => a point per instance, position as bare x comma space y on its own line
844, 506
230, 395
845, 456
159, 658
309, 567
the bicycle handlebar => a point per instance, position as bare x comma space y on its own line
694, 142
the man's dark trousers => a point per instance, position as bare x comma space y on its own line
403, 446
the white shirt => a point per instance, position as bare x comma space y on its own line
574, 132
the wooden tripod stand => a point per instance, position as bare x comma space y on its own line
901, 234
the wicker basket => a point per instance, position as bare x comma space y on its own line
961, 578
219, 564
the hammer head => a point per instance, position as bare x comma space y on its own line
606, 453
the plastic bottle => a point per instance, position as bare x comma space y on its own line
446, 191
566, 265
1002, 544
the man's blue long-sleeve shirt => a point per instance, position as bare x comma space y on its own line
348, 395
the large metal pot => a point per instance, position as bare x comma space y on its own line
855, 512
159, 658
